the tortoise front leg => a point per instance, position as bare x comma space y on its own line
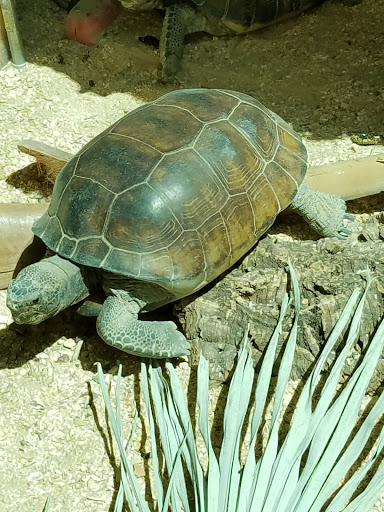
180, 20
117, 325
325, 213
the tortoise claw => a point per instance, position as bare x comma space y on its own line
343, 233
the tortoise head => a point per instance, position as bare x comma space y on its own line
44, 289
142, 5
35, 294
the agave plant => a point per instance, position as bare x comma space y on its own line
303, 473
281, 479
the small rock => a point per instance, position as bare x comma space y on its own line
139, 469
64, 358
69, 343
36, 475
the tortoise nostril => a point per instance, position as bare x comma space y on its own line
35, 301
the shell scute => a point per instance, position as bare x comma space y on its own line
215, 243
256, 125
67, 246
189, 267
194, 196
140, 221
83, 195
119, 260
164, 128
239, 221
207, 108
49, 230
61, 183
244, 15
158, 263
232, 159
117, 163
283, 184
92, 251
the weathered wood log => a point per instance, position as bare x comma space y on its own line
18, 247
51, 160
328, 271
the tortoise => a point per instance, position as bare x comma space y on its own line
351, 179
159, 205
216, 17
88, 18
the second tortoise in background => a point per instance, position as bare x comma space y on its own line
88, 18
216, 17
160, 204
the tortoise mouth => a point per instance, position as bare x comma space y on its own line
27, 316
29, 313
22, 319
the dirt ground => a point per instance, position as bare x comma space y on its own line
321, 71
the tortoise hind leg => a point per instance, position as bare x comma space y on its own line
180, 20
325, 213
117, 325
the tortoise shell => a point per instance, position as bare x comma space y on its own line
244, 15
177, 190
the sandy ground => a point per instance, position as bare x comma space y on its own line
321, 71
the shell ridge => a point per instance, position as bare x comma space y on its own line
273, 190
230, 254
181, 108
137, 140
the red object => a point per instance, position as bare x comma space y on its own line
89, 18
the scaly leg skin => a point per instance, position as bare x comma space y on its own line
117, 325
180, 20
325, 213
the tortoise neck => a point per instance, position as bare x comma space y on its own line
73, 279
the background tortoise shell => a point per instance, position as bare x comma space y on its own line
176, 191
243, 15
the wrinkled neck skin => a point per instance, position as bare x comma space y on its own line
73, 279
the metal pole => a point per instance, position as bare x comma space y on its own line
14, 39
4, 45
